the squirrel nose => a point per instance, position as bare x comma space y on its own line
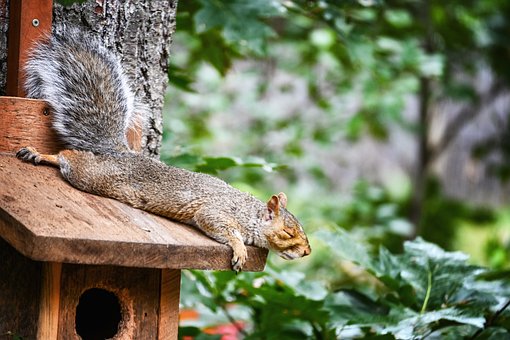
307, 251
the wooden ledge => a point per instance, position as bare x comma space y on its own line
46, 219
25, 122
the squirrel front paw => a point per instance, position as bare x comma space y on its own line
29, 154
239, 257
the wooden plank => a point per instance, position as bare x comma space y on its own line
168, 325
137, 291
50, 301
29, 22
46, 219
20, 287
26, 122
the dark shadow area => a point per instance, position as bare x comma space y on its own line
98, 315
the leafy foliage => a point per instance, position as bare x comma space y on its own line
373, 55
372, 208
443, 215
226, 29
232, 29
427, 292
213, 165
238, 21
383, 50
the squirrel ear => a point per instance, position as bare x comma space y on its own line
273, 206
283, 200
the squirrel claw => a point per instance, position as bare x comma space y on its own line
237, 264
29, 154
238, 261
237, 267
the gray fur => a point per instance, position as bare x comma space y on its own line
83, 82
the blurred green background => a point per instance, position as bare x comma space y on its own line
386, 124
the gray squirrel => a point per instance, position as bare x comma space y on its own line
92, 105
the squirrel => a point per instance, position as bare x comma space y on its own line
92, 105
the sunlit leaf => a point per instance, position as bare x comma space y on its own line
398, 18
432, 65
239, 21
346, 247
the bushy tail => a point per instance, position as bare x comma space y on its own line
90, 99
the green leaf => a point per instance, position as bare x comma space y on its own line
185, 160
389, 45
257, 162
215, 164
494, 333
312, 290
322, 38
180, 78
239, 21
449, 272
431, 65
342, 244
398, 18
352, 307
418, 325
286, 307
219, 54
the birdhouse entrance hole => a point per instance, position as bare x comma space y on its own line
98, 315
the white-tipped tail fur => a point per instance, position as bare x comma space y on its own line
83, 82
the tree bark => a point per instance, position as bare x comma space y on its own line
4, 23
140, 33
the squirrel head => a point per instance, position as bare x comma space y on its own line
285, 234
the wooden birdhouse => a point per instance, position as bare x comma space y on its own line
73, 264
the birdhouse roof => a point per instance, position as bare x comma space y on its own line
46, 219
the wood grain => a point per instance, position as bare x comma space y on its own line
23, 33
26, 122
137, 290
20, 286
49, 301
168, 325
46, 219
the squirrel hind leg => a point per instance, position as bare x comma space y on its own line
30, 154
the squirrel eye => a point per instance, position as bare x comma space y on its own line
269, 214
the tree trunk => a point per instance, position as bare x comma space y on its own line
423, 156
423, 152
140, 33
4, 23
